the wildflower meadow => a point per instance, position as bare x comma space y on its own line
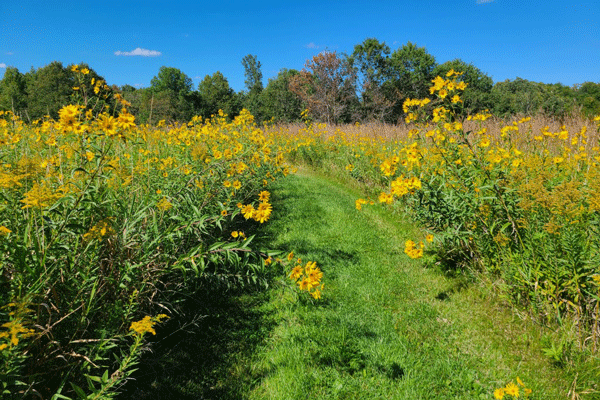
515, 204
106, 224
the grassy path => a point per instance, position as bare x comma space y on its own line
387, 328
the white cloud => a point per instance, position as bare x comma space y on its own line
139, 52
2, 65
311, 45
9, 53
484, 1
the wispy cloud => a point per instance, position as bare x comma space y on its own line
485, 1
2, 65
9, 53
139, 52
311, 45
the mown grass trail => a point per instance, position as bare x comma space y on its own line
386, 328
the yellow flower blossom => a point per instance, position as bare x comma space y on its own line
146, 325
248, 211
263, 212
164, 204
499, 393
296, 273
264, 196
512, 390
101, 229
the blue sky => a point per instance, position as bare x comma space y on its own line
548, 41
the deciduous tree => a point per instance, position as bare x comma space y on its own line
411, 71
327, 85
12, 91
171, 90
371, 61
216, 94
48, 90
252, 99
278, 101
477, 95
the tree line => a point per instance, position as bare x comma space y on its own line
370, 84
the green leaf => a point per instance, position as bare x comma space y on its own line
79, 391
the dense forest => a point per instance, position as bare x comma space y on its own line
370, 84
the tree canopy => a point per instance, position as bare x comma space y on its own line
370, 84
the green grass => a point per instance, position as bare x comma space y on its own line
387, 327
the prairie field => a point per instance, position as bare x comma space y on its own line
109, 228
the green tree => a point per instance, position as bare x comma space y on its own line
252, 73
171, 79
410, 74
215, 94
588, 97
518, 96
477, 96
172, 90
48, 90
558, 100
127, 89
13, 95
411, 71
254, 86
371, 61
278, 101
149, 106
521, 96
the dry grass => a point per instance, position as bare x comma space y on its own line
527, 130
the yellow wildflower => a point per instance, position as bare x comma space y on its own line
264, 195
316, 294
296, 273
164, 204
499, 393
248, 211
99, 230
512, 390
146, 324
263, 212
